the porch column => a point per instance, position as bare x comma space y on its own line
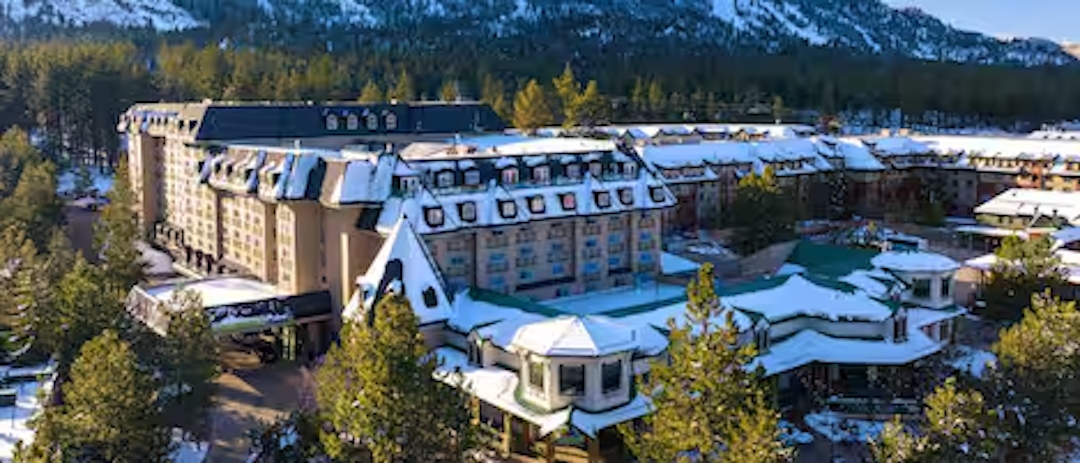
549, 448
594, 448
508, 434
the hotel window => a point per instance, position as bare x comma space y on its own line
572, 379
541, 174
331, 122
434, 216
921, 288
510, 176
525, 275
408, 183
573, 170
946, 287
558, 270
613, 262
536, 375
468, 211
630, 169
391, 121
372, 122
603, 199
472, 177
626, 196
568, 202
611, 375
445, 179
596, 169
536, 204
657, 194
352, 122
507, 209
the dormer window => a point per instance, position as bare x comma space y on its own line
434, 216
391, 121
572, 380
603, 199
630, 170
352, 122
611, 377
509, 176
568, 201
596, 169
657, 194
508, 209
409, 183
472, 177
573, 171
626, 196
536, 204
541, 174
467, 211
331, 122
445, 179
921, 288
372, 122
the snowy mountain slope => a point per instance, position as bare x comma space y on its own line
859, 26
156, 14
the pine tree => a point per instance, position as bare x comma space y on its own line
591, 108
639, 98
115, 236
657, 101
79, 311
35, 294
531, 109
761, 212
697, 414
401, 412
371, 93
1023, 268
34, 202
108, 413
778, 109
84, 181
568, 91
191, 363
404, 90
449, 90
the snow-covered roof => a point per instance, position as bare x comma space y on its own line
157, 262
914, 261
1065, 236
580, 336
671, 264
813, 151
404, 261
798, 296
919, 317
616, 299
218, 292
1032, 203
809, 346
592, 423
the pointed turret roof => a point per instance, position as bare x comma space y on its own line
404, 262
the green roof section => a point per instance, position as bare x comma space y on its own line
757, 284
505, 300
646, 307
831, 260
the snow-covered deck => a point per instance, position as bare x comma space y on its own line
808, 347
617, 299
217, 292
497, 387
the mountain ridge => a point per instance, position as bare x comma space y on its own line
771, 26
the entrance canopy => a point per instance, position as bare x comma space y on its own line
235, 304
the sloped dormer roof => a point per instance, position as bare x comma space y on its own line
404, 262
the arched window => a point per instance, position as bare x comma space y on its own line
510, 176
352, 122
391, 121
372, 122
331, 122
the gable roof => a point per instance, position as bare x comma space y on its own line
403, 262
797, 296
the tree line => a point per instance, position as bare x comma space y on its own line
70, 92
120, 388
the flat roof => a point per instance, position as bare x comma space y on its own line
617, 299
217, 292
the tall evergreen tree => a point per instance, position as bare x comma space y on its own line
696, 414
761, 212
79, 311
371, 93
35, 296
191, 363
449, 90
591, 108
115, 236
34, 202
404, 89
531, 109
568, 91
493, 92
1022, 268
400, 412
108, 414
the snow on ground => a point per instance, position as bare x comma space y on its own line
791, 435
671, 264
14, 420
188, 451
973, 361
711, 249
619, 298
65, 182
163, 16
157, 262
839, 429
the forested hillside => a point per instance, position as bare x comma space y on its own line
73, 91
